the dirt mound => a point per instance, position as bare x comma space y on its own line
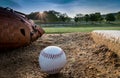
85, 59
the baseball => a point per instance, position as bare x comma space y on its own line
52, 59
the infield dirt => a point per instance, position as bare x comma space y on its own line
85, 59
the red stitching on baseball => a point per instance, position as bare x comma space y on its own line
51, 56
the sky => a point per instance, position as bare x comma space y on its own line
71, 7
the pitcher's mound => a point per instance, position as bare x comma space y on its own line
85, 59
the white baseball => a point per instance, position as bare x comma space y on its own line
52, 59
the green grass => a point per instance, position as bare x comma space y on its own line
76, 29
81, 27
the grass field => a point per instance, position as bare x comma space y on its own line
80, 27
76, 29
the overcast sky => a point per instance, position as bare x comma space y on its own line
71, 7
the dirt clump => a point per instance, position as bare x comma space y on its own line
85, 59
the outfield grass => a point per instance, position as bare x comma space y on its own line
76, 29
80, 27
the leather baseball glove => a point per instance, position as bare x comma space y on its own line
16, 30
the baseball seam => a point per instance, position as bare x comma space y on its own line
51, 56
54, 70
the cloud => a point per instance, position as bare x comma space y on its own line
87, 7
71, 7
9, 3
58, 1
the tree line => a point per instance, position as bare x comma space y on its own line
49, 16
53, 16
97, 17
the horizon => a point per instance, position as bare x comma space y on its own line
70, 7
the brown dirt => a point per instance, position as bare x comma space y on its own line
113, 44
85, 59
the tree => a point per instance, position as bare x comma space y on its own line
98, 16
78, 17
86, 17
93, 17
33, 15
51, 16
118, 16
110, 17
64, 18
